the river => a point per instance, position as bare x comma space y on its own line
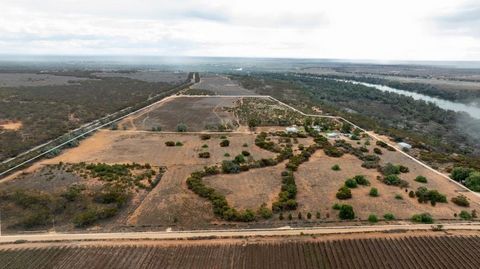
472, 110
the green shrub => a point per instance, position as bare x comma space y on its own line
85, 218
344, 193
204, 146
224, 143
336, 167
245, 145
170, 143
332, 151
373, 218
280, 217
403, 169
424, 195
204, 155
389, 216
226, 154
265, 212
361, 180
421, 179
411, 194
290, 217
245, 153
205, 136
178, 144
461, 200
309, 215
351, 183
336, 206
374, 192
73, 192
38, 217
229, 167
422, 218
299, 215
317, 215
377, 151
239, 159
390, 169
109, 194
346, 212
398, 197
465, 215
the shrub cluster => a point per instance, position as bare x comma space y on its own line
461, 200
344, 193
424, 195
422, 218
288, 193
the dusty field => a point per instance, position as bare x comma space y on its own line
250, 189
318, 184
26, 79
148, 76
170, 203
198, 113
381, 251
221, 85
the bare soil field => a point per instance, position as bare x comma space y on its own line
425, 250
318, 184
11, 125
148, 76
250, 189
32, 80
197, 113
170, 203
221, 85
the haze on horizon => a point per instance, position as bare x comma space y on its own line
436, 30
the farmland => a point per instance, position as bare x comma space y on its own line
196, 113
425, 250
263, 176
220, 85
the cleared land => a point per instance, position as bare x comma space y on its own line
197, 113
220, 85
254, 179
147, 76
387, 251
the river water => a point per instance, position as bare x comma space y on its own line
472, 110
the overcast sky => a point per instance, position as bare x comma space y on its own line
345, 29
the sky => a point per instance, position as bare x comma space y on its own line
342, 29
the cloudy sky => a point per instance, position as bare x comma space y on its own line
346, 29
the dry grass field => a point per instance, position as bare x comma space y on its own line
221, 85
197, 113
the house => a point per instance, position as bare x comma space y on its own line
317, 128
333, 135
404, 145
292, 129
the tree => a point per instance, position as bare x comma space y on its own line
473, 181
182, 127
309, 215
460, 173
346, 128
346, 212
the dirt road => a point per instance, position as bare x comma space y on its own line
284, 231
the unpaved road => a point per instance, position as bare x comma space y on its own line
285, 231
